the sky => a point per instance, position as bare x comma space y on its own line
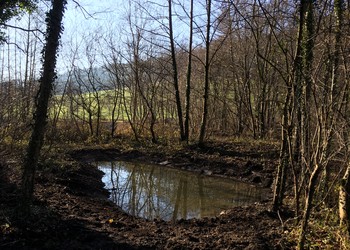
90, 13
79, 21
99, 18
83, 20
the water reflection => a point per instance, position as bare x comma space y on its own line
151, 191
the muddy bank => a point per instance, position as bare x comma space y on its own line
71, 211
254, 163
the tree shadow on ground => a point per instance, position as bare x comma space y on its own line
44, 229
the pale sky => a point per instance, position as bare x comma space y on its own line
100, 18
82, 24
91, 13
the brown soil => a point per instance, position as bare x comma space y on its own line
71, 209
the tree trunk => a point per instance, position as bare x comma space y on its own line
284, 163
308, 47
53, 34
308, 44
288, 124
344, 200
188, 77
308, 205
299, 101
206, 78
175, 73
130, 119
344, 189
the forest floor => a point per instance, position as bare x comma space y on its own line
71, 209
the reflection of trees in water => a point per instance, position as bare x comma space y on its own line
201, 194
137, 190
181, 192
159, 192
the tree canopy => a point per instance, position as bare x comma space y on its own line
12, 8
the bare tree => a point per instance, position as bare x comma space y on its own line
188, 76
206, 73
115, 70
53, 34
344, 190
175, 72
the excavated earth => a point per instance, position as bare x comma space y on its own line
71, 209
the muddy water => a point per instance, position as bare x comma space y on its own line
152, 191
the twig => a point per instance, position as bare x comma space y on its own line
279, 216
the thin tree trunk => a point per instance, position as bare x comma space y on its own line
284, 163
309, 41
150, 109
308, 44
26, 90
175, 73
206, 78
308, 205
130, 120
288, 124
188, 77
344, 200
299, 102
53, 34
344, 189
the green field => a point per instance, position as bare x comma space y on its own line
82, 105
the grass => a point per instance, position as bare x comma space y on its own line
91, 105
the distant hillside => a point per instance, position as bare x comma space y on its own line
83, 77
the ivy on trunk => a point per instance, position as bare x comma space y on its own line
53, 34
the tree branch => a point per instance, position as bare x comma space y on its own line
20, 28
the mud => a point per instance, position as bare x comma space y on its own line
71, 209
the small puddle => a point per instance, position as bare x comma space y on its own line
152, 191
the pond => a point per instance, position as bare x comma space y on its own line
152, 191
